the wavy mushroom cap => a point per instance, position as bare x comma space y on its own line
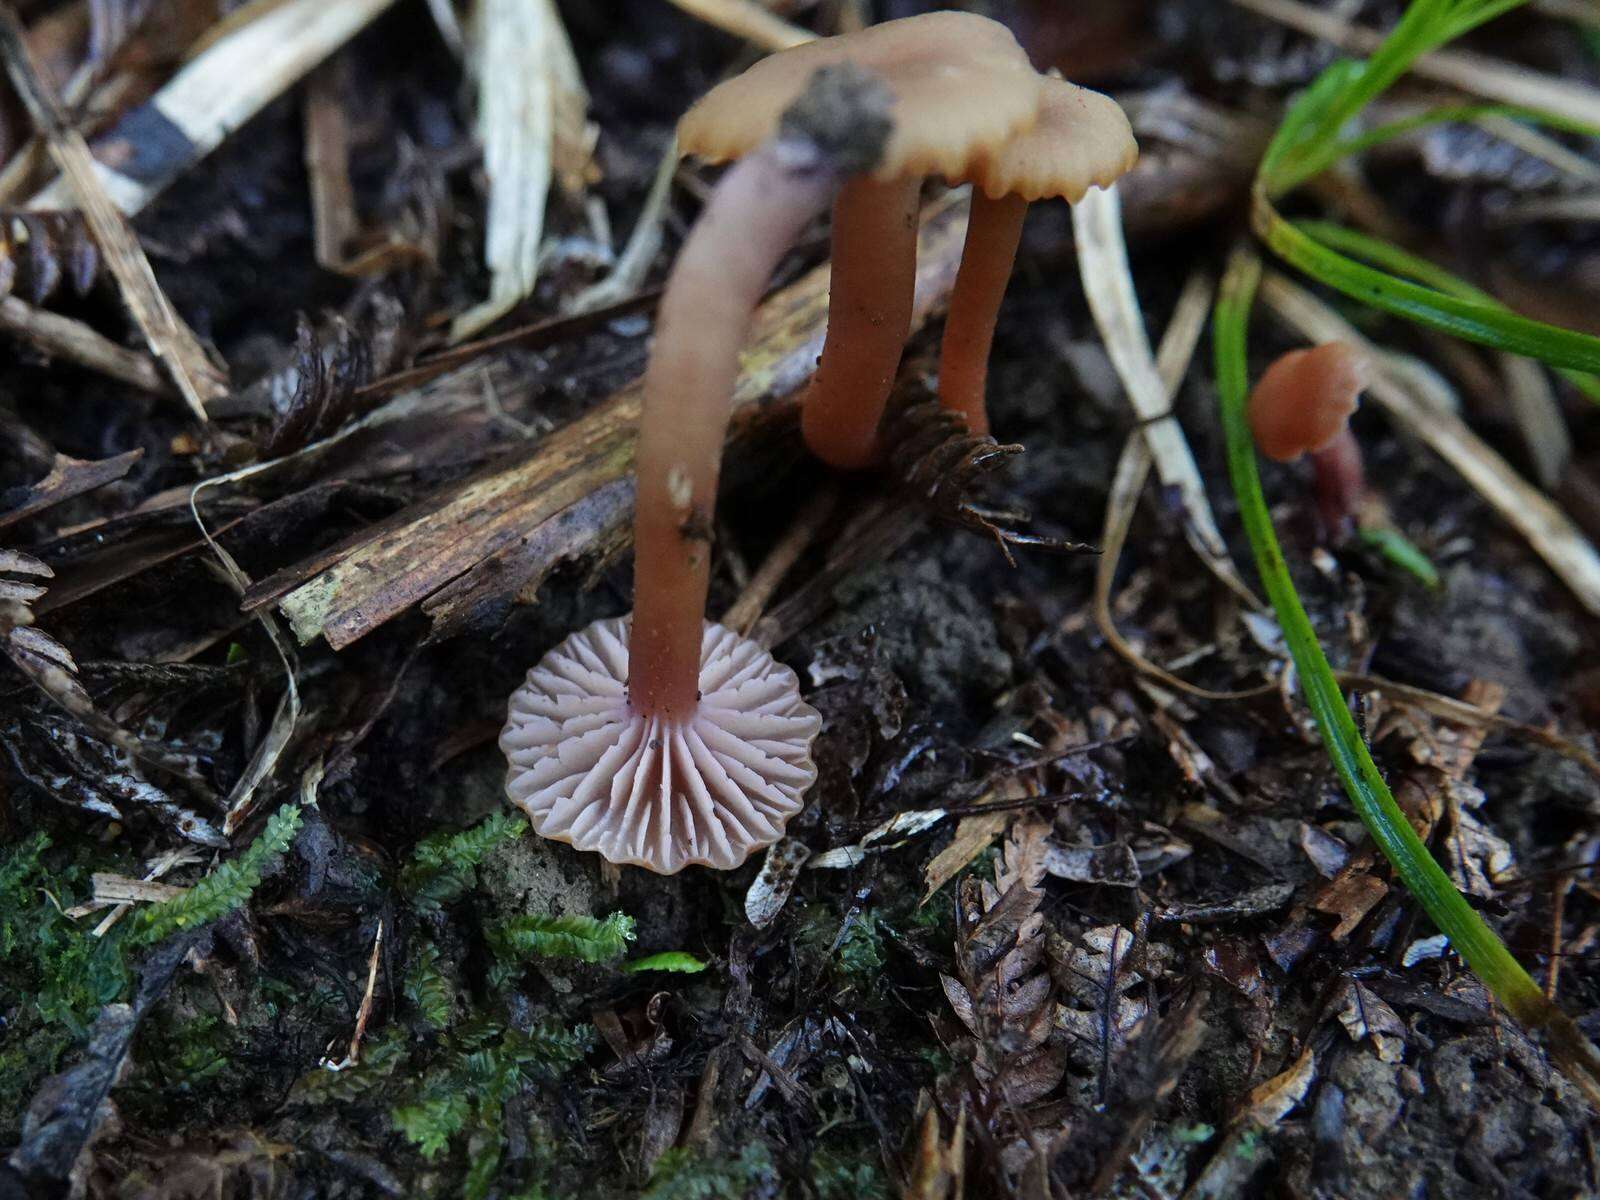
1305, 398
962, 86
1081, 140
652, 792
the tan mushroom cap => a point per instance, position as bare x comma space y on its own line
961, 82
1305, 398
654, 793
1081, 140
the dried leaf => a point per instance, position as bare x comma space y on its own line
1366, 1015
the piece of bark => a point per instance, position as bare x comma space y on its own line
495, 535
68, 477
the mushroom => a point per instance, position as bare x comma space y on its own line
663, 740
962, 86
1302, 404
1082, 139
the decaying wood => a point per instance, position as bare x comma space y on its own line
169, 338
68, 477
480, 543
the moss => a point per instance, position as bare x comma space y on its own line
59, 973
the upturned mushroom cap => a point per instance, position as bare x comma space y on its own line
961, 82
1081, 140
1305, 398
650, 792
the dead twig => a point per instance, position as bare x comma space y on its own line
808, 523
493, 537
74, 342
749, 21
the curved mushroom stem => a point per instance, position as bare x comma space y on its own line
869, 319
1340, 483
755, 213
993, 231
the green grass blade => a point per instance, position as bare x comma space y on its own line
1369, 794
1472, 319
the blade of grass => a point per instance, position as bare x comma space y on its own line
1471, 937
1402, 262
1474, 320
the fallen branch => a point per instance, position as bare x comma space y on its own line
471, 549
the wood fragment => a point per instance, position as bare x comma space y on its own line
495, 535
749, 21
327, 157
169, 338
808, 523
68, 477
73, 341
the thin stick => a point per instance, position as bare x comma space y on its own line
747, 609
748, 21
327, 158
169, 339
1108, 286
65, 338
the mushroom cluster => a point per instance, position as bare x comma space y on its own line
968, 106
663, 740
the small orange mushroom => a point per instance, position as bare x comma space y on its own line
1302, 404
962, 88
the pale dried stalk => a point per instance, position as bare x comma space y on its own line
1178, 345
1108, 286
264, 49
528, 91
1477, 74
749, 21
1537, 410
1548, 530
169, 338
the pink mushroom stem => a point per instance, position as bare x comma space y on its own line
754, 215
993, 232
1340, 483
